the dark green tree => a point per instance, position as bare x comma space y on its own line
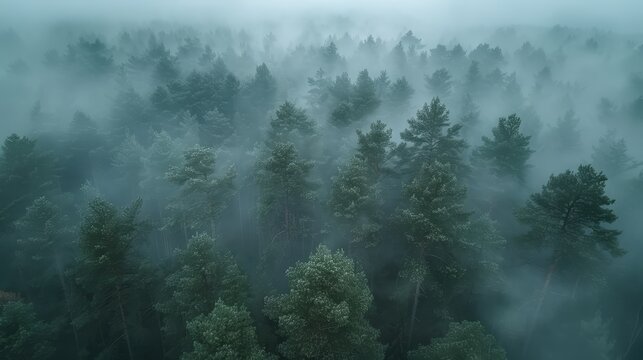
432, 138
226, 333
289, 119
202, 276
285, 190
22, 334
107, 270
434, 224
25, 174
364, 98
261, 91
203, 196
568, 218
401, 93
323, 314
374, 147
439, 83
509, 150
465, 340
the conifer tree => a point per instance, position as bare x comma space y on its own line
203, 196
432, 138
107, 269
323, 315
226, 333
509, 150
22, 334
285, 190
439, 83
464, 340
568, 218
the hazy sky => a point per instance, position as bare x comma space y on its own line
621, 15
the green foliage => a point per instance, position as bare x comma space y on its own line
401, 93
465, 340
439, 83
226, 333
22, 335
106, 243
25, 174
568, 217
435, 219
261, 91
323, 314
285, 188
353, 103
289, 119
203, 196
509, 150
374, 147
432, 138
203, 275
610, 156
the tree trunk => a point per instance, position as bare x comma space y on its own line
416, 299
541, 300
125, 332
63, 287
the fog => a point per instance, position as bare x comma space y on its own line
321, 179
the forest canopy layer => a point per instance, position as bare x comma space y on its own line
324, 190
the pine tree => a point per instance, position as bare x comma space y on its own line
203, 196
509, 150
107, 270
289, 119
261, 91
470, 115
439, 83
226, 333
285, 190
434, 224
42, 254
323, 314
433, 139
465, 340
382, 84
354, 202
568, 218
401, 93
202, 276
25, 174
22, 334
374, 147
610, 156
364, 98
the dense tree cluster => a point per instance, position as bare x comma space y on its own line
347, 198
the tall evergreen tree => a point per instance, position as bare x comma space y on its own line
202, 276
22, 334
203, 196
568, 218
289, 119
323, 314
509, 150
285, 190
432, 138
439, 83
434, 224
107, 272
464, 341
364, 99
226, 333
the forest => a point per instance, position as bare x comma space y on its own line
330, 190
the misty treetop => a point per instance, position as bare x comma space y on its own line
319, 190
